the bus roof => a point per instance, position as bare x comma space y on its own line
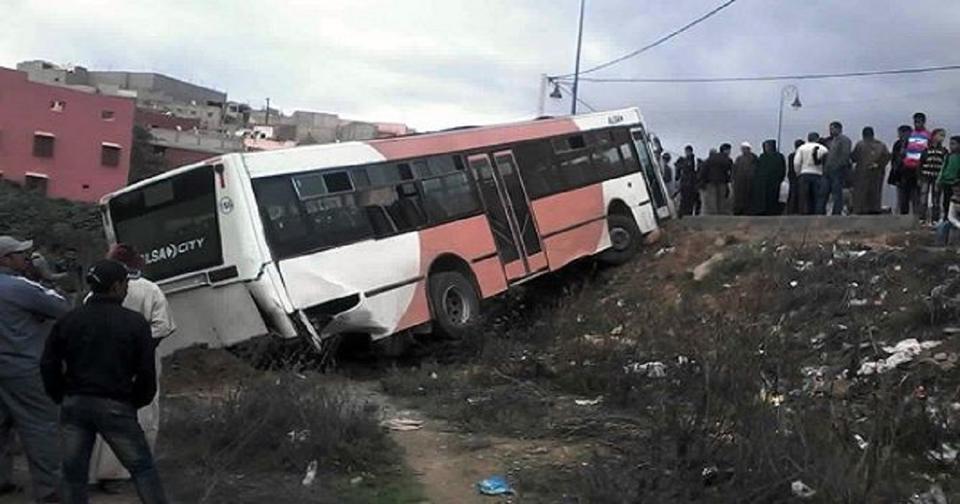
312, 157
278, 162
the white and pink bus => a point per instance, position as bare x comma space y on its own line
390, 235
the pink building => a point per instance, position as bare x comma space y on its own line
63, 142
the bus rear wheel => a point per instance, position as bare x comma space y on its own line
456, 305
624, 239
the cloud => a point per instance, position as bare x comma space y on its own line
436, 64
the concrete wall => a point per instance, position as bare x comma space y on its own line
75, 170
153, 87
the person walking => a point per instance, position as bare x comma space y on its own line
837, 165
666, 171
686, 170
949, 180
147, 299
771, 169
26, 311
871, 157
744, 169
931, 163
809, 164
715, 181
98, 364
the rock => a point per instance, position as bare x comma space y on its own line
703, 269
356, 481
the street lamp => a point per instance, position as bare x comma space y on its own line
785, 94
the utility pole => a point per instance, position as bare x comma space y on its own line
576, 71
266, 117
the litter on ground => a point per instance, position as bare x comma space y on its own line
495, 485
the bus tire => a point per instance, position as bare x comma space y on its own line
625, 238
455, 303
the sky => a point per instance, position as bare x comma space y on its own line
438, 64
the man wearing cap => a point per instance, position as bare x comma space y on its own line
26, 310
147, 299
98, 364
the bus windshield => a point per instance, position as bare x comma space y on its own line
173, 222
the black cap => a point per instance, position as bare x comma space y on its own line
104, 273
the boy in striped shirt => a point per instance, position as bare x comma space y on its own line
931, 164
917, 142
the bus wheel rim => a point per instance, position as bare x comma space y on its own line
455, 306
619, 238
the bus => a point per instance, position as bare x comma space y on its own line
385, 236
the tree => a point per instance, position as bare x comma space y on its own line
144, 162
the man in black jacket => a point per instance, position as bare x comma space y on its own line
98, 364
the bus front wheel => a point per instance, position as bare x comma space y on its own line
456, 305
624, 239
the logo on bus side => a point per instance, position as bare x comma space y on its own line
614, 119
172, 250
226, 204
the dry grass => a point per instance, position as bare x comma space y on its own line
739, 415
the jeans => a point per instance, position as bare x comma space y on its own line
82, 418
813, 198
24, 406
951, 222
907, 191
929, 190
836, 178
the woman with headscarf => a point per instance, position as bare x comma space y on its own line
743, 171
771, 169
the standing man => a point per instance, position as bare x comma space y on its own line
686, 169
871, 157
896, 177
26, 311
793, 199
838, 164
916, 143
743, 172
666, 171
809, 163
771, 169
147, 299
931, 163
99, 365
715, 181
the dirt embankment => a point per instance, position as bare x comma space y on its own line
823, 364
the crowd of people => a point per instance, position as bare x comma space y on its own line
826, 172
79, 379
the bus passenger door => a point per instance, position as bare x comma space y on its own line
508, 211
651, 173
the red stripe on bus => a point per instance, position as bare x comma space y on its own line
471, 139
464, 239
566, 247
565, 210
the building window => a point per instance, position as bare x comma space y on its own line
106, 115
57, 105
35, 182
43, 145
110, 155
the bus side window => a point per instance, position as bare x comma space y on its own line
407, 211
449, 197
281, 215
606, 158
622, 138
536, 168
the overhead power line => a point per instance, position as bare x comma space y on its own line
657, 42
843, 75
